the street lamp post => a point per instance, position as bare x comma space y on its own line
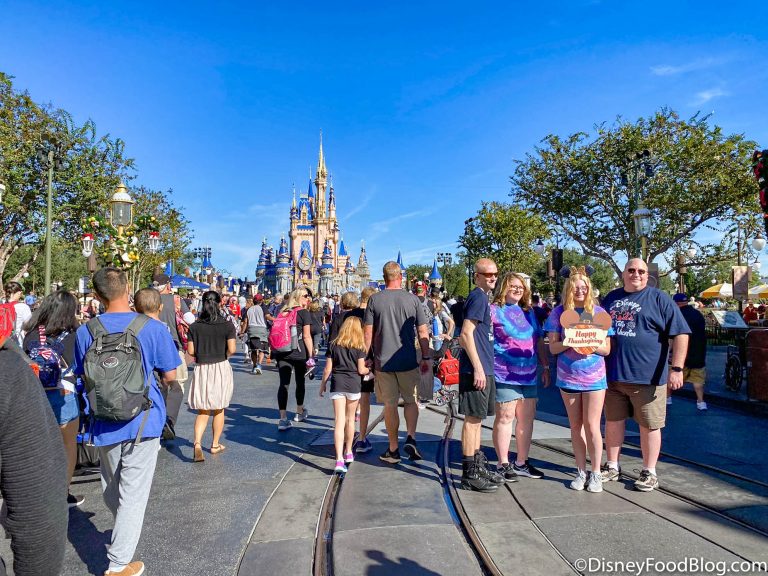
467, 225
446, 259
641, 168
642, 218
204, 253
48, 159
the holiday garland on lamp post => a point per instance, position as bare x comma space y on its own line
120, 250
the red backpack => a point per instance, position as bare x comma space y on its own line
7, 321
448, 370
284, 336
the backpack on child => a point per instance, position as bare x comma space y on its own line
182, 328
284, 335
448, 370
48, 355
113, 373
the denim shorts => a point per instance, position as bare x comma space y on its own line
510, 392
64, 406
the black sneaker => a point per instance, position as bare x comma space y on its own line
507, 472
390, 457
473, 479
528, 470
169, 433
411, 449
73, 500
484, 470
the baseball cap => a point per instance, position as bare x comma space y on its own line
419, 287
435, 291
161, 279
258, 298
680, 297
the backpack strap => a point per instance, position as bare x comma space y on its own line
97, 330
137, 324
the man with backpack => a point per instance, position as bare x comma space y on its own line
172, 314
117, 355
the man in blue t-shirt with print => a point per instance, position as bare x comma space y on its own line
127, 466
647, 323
477, 387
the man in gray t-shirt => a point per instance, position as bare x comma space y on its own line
258, 335
173, 393
392, 320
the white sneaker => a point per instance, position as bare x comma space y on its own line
701, 405
580, 481
595, 482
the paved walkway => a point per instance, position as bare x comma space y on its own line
214, 519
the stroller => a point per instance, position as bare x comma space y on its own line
446, 372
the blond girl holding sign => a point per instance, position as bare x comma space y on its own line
578, 335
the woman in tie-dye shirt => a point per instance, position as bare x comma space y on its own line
581, 379
518, 351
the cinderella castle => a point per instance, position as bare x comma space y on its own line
314, 254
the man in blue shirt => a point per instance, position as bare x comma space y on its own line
127, 466
647, 323
477, 387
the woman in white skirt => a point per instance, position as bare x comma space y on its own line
212, 339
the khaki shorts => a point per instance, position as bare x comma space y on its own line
390, 386
646, 403
696, 376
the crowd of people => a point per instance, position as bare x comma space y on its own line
379, 342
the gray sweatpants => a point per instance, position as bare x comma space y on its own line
126, 478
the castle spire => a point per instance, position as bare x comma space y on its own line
322, 172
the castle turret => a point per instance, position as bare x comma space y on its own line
362, 267
283, 268
435, 277
326, 272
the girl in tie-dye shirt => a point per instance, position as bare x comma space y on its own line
581, 379
518, 352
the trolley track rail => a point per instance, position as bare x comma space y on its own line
322, 563
668, 492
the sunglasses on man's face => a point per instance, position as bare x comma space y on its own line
638, 271
488, 274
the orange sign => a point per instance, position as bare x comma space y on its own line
584, 333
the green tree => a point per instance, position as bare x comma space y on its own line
415, 272
589, 186
505, 233
88, 167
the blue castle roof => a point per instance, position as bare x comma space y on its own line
435, 275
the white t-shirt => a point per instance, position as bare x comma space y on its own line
23, 313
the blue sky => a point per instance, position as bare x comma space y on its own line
423, 105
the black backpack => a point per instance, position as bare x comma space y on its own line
114, 376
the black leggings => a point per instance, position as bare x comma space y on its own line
284, 368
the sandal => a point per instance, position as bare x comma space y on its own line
218, 448
199, 457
